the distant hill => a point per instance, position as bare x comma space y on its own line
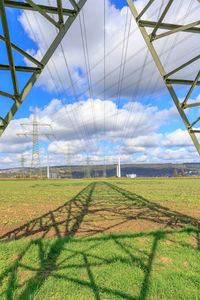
141, 170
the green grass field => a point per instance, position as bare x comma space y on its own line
96, 239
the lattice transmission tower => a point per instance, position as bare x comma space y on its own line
64, 19
35, 133
173, 74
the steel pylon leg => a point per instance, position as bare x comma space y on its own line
149, 39
63, 27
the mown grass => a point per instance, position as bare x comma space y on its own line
155, 264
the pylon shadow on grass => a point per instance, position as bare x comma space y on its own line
120, 208
50, 266
68, 216
74, 213
155, 212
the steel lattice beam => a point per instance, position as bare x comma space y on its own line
152, 24
48, 9
169, 82
9, 48
63, 27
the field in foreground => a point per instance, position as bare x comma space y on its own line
114, 239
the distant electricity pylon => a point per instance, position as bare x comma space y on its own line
22, 166
35, 161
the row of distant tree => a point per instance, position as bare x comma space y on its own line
176, 172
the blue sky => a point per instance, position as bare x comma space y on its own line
125, 128
119, 3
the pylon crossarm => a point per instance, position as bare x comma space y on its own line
46, 8
181, 81
178, 29
191, 105
195, 131
35, 123
42, 12
29, 133
169, 81
19, 68
167, 26
63, 28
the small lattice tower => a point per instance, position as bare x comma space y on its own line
36, 169
35, 160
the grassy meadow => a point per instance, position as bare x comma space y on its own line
100, 239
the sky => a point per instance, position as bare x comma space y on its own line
101, 93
